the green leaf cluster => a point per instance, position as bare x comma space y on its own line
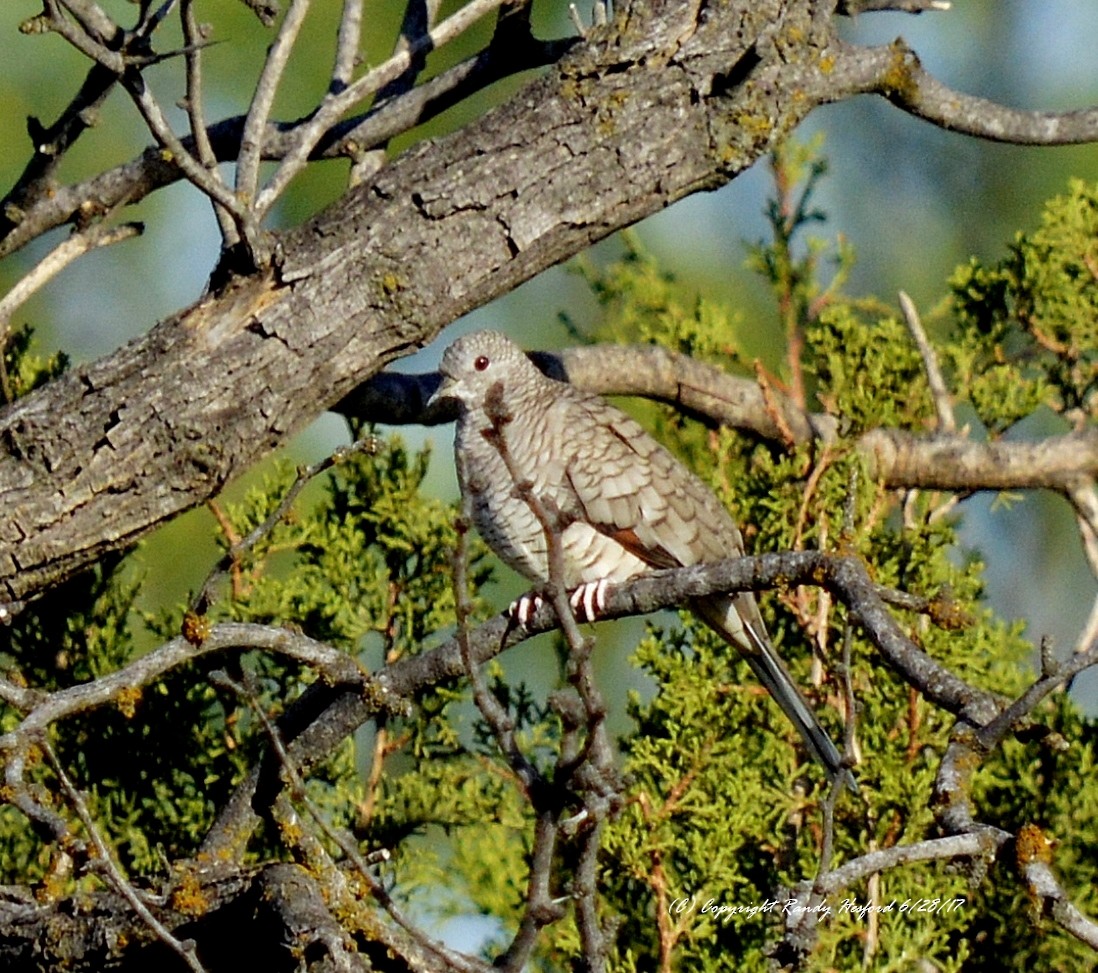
1027, 325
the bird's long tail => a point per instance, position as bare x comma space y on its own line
736, 619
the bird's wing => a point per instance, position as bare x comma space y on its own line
628, 487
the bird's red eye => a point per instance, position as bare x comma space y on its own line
481, 363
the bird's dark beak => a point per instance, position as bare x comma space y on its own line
445, 392
441, 391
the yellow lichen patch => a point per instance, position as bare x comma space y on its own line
188, 897
195, 628
1032, 845
391, 284
127, 699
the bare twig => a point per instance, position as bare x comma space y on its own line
853, 7
336, 105
334, 664
251, 140
193, 39
38, 211
1044, 885
347, 41
97, 235
93, 19
184, 949
209, 181
943, 403
419, 18
154, 18
495, 715
586, 765
237, 550
87, 37
989, 735
904, 82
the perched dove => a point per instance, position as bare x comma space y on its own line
623, 503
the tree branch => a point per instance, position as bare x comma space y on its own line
902, 79
899, 459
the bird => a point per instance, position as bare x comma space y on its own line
622, 504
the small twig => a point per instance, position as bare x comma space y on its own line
97, 235
577, 20
541, 909
1089, 634
347, 41
152, 20
594, 941
943, 403
1043, 884
251, 141
419, 18
204, 179
185, 949
336, 105
773, 409
93, 19
990, 734
192, 40
495, 715
851, 750
968, 845
18, 794
854, 7
232, 557
89, 40
333, 664
134, 180
1083, 498
902, 79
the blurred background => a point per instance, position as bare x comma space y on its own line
914, 201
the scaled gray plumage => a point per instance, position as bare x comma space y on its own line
627, 504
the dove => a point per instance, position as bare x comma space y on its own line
622, 504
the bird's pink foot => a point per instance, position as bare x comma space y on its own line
524, 608
588, 601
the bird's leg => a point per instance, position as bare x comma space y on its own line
588, 601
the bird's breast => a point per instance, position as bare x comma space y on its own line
504, 518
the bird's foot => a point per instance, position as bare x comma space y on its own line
588, 601
524, 608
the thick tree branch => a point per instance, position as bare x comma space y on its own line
897, 457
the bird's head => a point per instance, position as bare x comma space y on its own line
480, 369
